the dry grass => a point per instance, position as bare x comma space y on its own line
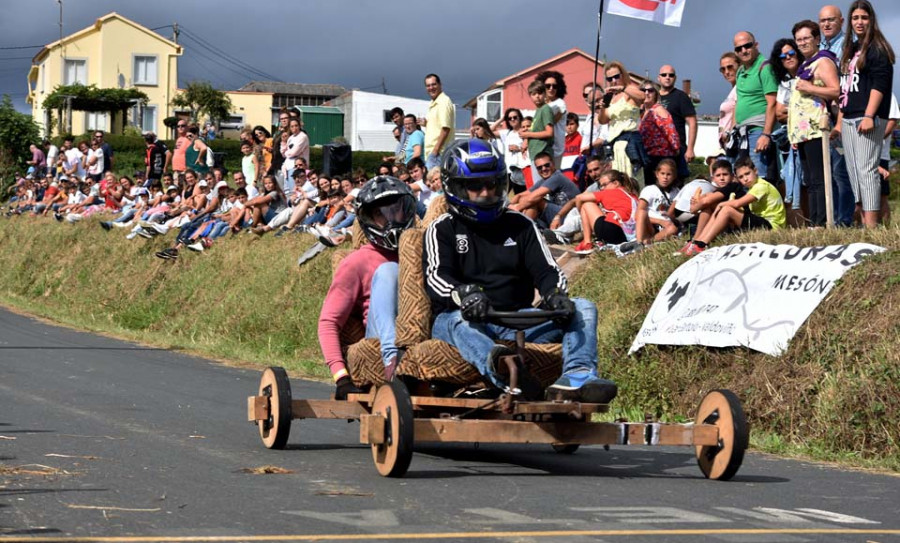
834, 394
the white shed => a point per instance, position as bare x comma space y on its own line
367, 120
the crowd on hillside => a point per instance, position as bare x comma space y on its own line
621, 177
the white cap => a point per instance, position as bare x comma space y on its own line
202, 183
171, 187
221, 184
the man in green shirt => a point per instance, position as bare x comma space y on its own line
756, 88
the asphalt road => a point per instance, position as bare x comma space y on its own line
102, 440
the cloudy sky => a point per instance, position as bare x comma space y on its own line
359, 43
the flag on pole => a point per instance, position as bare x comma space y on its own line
667, 12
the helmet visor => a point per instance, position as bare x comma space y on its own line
390, 212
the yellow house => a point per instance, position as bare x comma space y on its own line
114, 52
248, 109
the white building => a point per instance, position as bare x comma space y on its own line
367, 118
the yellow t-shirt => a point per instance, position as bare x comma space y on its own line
768, 204
441, 113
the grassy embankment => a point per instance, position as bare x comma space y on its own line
834, 395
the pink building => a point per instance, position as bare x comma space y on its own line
577, 68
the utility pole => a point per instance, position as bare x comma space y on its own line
383, 87
175, 32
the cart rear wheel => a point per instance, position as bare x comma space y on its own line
392, 402
274, 430
722, 409
565, 448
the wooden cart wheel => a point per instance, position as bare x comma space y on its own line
565, 448
274, 431
392, 457
723, 409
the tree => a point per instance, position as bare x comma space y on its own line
204, 101
17, 132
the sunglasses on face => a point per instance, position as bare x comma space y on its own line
727, 68
744, 47
550, 85
789, 54
651, 89
542, 167
667, 74
513, 118
611, 78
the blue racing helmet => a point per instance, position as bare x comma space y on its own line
475, 180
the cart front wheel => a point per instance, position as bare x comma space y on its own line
722, 409
392, 457
275, 429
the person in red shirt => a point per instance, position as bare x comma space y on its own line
365, 282
572, 146
608, 214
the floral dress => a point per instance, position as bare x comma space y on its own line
658, 133
807, 114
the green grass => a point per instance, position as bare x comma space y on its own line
834, 395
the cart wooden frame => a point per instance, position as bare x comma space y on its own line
392, 421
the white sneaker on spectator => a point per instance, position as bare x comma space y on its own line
322, 230
131, 235
196, 246
160, 228
121, 224
144, 233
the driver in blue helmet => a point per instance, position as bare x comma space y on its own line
481, 256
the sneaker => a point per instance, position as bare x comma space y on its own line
58, 217
131, 235
327, 241
683, 250
693, 250
553, 238
196, 246
106, 225
584, 248
144, 233
628, 247
282, 231
582, 386
258, 230
159, 228
168, 254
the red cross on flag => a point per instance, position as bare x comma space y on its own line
667, 12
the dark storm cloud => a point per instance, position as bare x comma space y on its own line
470, 43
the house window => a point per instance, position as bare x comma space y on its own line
387, 116
96, 121
490, 106
75, 71
147, 122
145, 72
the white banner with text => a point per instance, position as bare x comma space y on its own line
754, 295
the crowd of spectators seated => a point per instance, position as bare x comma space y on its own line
619, 178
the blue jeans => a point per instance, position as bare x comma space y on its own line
842, 193
432, 160
474, 340
760, 160
380, 322
219, 229
318, 216
126, 215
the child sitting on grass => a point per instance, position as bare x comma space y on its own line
654, 203
761, 207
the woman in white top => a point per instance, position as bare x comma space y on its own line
296, 146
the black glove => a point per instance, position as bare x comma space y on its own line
473, 302
559, 301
